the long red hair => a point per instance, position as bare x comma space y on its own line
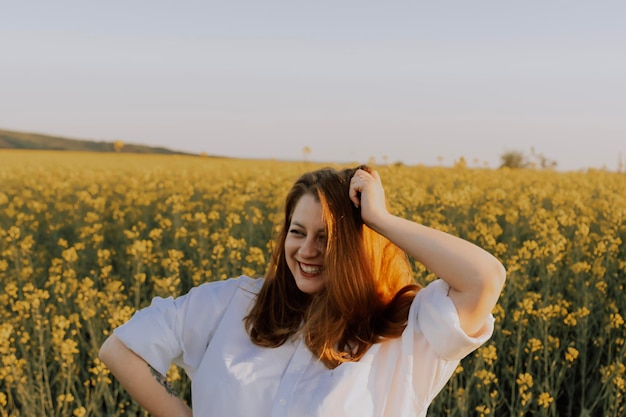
368, 288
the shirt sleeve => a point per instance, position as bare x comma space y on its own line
439, 320
178, 330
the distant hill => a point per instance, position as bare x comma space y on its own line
22, 140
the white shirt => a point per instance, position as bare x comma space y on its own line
203, 332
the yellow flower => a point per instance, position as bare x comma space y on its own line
483, 410
533, 345
544, 400
582, 312
14, 233
488, 353
554, 342
458, 369
617, 320
570, 320
553, 310
255, 256
79, 412
120, 316
248, 271
69, 348
181, 233
173, 374
579, 267
68, 398
156, 234
525, 380
486, 377
70, 255
140, 278
571, 354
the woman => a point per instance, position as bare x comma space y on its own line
338, 326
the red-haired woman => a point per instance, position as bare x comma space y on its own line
338, 327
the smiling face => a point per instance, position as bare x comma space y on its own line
305, 245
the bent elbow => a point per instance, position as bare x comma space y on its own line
106, 351
492, 282
495, 280
499, 275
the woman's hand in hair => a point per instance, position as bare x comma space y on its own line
368, 194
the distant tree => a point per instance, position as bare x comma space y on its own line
118, 145
513, 159
306, 151
517, 159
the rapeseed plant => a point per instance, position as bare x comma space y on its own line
88, 239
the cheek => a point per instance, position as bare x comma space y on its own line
288, 246
291, 248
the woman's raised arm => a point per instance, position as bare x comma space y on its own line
474, 275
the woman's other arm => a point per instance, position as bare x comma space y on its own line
142, 382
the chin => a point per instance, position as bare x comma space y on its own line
309, 285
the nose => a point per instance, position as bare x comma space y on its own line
310, 248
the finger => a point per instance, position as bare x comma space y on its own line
356, 187
354, 197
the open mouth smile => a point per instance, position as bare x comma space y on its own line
310, 270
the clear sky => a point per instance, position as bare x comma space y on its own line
412, 81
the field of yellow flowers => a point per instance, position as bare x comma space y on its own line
87, 239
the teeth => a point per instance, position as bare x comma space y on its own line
313, 270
